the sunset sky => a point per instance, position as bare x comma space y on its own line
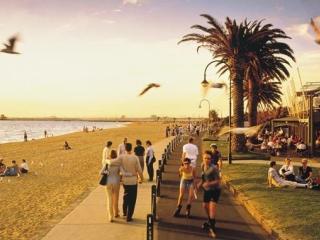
91, 58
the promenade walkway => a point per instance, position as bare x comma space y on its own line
88, 221
233, 221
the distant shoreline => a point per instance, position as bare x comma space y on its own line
162, 119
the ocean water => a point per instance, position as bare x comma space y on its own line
13, 131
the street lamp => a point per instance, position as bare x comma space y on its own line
206, 100
205, 84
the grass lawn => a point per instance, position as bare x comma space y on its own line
294, 212
223, 148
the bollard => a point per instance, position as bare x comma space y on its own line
158, 182
164, 159
160, 164
154, 200
149, 227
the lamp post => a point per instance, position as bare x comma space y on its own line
205, 84
206, 100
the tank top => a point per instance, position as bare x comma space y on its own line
186, 175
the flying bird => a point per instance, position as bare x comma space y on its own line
151, 85
316, 29
214, 85
248, 131
10, 46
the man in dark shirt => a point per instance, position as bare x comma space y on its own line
216, 156
305, 172
139, 151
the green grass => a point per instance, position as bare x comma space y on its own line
291, 211
223, 148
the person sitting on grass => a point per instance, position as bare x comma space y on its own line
24, 168
3, 167
188, 176
275, 180
286, 171
305, 172
66, 146
13, 170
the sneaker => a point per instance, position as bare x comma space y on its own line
212, 233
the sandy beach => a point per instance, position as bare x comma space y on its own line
31, 204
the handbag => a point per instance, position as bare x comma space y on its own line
153, 160
104, 178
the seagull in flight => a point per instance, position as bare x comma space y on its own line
10, 46
151, 85
316, 29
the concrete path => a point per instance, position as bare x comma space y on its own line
88, 221
233, 221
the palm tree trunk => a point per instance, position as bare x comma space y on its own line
252, 102
237, 140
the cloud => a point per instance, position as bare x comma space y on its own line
134, 2
300, 30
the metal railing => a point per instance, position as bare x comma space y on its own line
156, 189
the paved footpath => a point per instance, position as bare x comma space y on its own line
233, 221
88, 221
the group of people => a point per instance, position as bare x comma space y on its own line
210, 181
14, 169
126, 165
277, 143
286, 175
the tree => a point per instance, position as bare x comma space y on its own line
3, 117
213, 115
267, 62
229, 47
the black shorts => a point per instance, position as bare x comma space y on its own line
211, 195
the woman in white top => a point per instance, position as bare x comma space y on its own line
113, 185
275, 180
287, 171
24, 168
150, 159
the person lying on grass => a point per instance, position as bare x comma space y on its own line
275, 180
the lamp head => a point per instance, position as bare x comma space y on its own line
205, 83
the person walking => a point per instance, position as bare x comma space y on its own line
150, 159
188, 176
25, 136
113, 185
139, 151
190, 150
122, 147
106, 153
210, 183
130, 164
216, 156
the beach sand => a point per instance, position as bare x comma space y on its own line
31, 204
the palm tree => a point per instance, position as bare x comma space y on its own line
229, 47
268, 94
268, 61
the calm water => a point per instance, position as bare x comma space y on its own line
12, 131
